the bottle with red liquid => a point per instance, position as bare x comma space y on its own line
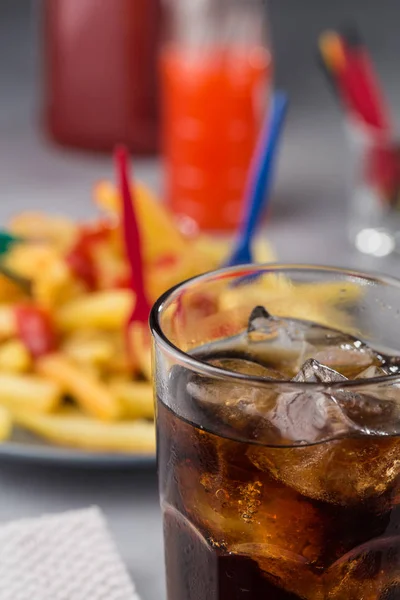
100, 70
216, 76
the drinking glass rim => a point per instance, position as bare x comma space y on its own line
204, 368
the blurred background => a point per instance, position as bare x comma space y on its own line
51, 156
311, 186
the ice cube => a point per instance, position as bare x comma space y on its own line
313, 371
376, 408
310, 416
207, 390
346, 359
289, 571
246, 367
232, 405
245, 510
337, 470
263, 327
373, 412
276, 341
260, 321
344, 472
368, 571
371, 372
338, 350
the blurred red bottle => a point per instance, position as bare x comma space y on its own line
216, 76
100, 68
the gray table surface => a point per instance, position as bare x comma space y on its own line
308, 224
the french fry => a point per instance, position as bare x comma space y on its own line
8, 325
19, 392
110, 265
160, 235
69, 427
90, 347
51, 278
141, 347
262, 251
14, 357
214, 249
159, 278
6, 424
29, 260
54, 284
88, 391
122, 362
10, 291
58, 230
106, 197
136, 398
107, 310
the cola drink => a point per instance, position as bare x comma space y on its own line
281, 480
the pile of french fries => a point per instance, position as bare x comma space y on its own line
66, 373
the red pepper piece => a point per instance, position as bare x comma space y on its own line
35, 329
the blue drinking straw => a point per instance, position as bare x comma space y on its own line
260, 179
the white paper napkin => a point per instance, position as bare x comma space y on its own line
62, 557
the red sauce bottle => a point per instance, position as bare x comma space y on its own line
100, 68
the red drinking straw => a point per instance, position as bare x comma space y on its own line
131, 235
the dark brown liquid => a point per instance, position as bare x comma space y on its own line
233, 532
246, 521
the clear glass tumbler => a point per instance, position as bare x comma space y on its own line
276, 487
375, 190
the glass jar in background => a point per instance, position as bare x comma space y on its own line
374, 221
100, 69
216, 77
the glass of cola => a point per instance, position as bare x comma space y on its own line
278, 426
